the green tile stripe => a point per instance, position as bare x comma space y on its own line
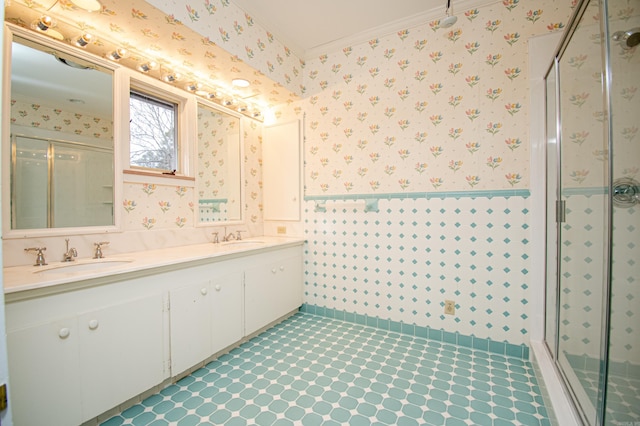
596, 190
488, 345
428, 195
213, 200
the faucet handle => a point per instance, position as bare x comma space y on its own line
216, 240
39, 255
98, 254
238, 236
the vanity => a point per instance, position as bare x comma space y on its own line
87, 336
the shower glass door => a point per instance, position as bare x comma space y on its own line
623, 374
593, 232
583, 235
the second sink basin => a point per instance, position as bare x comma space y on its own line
83, 266
241, 243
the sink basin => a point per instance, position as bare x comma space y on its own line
86, 266
241, 243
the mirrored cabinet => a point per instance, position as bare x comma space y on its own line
61, 146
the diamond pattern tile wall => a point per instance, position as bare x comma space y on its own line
402, 262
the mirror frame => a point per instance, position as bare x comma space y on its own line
241, 154
11, 31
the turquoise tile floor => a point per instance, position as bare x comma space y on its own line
313, 370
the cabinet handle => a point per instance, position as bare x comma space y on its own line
64, 333
274, 270
218, 287
203, 291
93, 324
282, 268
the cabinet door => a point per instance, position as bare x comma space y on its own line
281, 171
121, 348
44, 368
290, 282
226, 311
272, 291
190, 319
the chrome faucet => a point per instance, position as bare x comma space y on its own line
98, 254
70, 253
39, 256
228, 237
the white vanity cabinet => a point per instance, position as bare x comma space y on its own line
69, 370
205, 317
273, 288
45, 381
79, 349
121, 353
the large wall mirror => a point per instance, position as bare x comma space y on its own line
219, 166
61, 141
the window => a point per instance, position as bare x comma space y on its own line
154, 133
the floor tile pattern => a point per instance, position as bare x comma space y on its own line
623, 392
313, 370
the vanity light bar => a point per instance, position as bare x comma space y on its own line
148, 66
83, 40
45, 22
117, 54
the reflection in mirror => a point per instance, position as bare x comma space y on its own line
219, 162
62, 169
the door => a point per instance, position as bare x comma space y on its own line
134, 328
45, 367
190, 320
226, 311
281, 171
583, 215
623, 372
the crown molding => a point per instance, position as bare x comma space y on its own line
382, 30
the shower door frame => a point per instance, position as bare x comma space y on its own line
52, 144
554, 354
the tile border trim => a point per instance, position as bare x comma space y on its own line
525, 193
440, 335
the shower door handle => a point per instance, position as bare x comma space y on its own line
561, 207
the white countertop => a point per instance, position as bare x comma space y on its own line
23, 278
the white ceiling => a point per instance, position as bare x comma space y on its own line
39, 75
309, 27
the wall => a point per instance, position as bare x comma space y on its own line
156, 215
30, 114
434, 124
422, 117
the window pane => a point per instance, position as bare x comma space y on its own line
153, 142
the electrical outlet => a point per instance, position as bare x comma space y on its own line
449, 307
282, 230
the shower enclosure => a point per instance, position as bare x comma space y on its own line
59, 184
592, 326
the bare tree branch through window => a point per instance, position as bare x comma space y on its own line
153, 132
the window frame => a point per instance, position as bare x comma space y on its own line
172, 108
186, 110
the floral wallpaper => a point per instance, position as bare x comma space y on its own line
253, 173
177, 42
236, 32
151, 206
427, 109
31, 114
